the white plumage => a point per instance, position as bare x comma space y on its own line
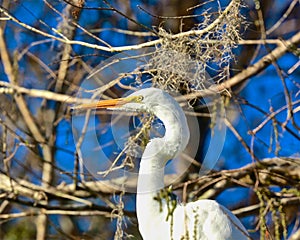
200, 220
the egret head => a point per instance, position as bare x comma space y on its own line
162, 105
145, 100
165, 108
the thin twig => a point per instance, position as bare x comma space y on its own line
284, 16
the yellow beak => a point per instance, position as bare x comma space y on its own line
111, 103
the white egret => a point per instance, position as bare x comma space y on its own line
157, 219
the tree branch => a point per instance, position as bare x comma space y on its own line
250, 71
65, 40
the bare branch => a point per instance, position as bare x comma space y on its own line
249, 71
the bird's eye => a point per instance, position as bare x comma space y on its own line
134, 99
140, 98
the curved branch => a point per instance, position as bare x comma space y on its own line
250, 71
64, 39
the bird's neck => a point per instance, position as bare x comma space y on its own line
151, 176
151, 172
151, 211
150, 181
157, 152
176, 131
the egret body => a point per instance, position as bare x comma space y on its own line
200, 220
